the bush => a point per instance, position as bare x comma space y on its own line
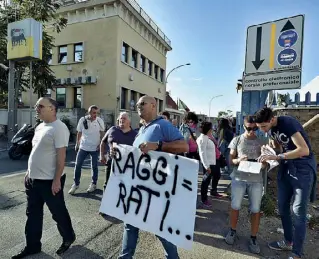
268, 205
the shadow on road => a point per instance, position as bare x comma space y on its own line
92, 196
78, 252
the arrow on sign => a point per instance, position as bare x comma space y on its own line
257, 63
288, 26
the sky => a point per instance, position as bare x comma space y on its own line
211, 35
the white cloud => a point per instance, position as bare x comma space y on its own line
197, 79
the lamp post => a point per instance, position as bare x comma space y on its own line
187, 64
210, 102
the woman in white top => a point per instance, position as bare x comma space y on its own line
207, 153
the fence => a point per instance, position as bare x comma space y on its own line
285, 99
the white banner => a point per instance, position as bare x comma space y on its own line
155, 192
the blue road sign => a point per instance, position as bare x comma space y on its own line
286, 57
287, 38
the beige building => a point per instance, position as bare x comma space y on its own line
110, 54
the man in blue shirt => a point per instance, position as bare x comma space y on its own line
296, 176
160, 135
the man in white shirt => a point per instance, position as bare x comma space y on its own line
90, 132
44, 180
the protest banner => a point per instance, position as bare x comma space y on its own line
155, 192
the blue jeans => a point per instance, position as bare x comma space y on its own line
238, 190
80, 157
130, 237
295, 180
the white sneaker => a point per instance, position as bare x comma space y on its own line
91, 188
73, 189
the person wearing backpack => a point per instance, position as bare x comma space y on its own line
246, 147
90, 132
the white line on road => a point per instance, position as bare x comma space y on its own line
12, 175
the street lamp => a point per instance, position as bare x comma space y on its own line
210, 102
187, 64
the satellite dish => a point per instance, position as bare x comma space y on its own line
270, 98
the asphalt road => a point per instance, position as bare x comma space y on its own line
99, 237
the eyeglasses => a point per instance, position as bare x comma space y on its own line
41, 106
141, 104
251, 129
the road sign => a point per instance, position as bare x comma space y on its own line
279, 81
275, 46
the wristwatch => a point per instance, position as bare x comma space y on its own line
159, 145
281, 156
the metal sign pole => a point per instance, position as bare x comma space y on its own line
31, 92
11, 117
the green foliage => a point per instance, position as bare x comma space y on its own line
43, 11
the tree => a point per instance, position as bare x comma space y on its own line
43, 11
227, 113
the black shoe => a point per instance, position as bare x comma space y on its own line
65, 246
24, 253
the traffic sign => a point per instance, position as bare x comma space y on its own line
280, 80
275, 46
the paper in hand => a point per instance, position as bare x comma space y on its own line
268, 151
249, 167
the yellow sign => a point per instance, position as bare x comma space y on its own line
24, 40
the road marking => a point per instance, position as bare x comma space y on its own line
272, 46
12, 175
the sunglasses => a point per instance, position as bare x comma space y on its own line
40, 106
251, 129
141, 104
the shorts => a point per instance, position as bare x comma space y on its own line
255, 193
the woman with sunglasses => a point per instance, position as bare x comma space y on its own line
246, 147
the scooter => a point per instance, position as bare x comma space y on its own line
22, 142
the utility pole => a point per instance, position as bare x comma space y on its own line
12, 114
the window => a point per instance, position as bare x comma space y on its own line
63, 54
160, 105
77, 97
134, 98
123, 98
78, 52
142, 68
125, 52
61, 96
134, 58
156, 72
162, 75
50, 57
150, 67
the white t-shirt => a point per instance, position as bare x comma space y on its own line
47, 138
90, 139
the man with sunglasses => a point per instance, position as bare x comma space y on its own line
90, 131
45, 179
296, 178
246, 147
160, 135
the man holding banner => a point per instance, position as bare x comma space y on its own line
156, 135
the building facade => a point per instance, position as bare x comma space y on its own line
110, 54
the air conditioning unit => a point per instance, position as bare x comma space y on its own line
91, 80
69, 68
131, 77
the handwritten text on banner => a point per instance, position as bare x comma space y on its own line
156, 192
